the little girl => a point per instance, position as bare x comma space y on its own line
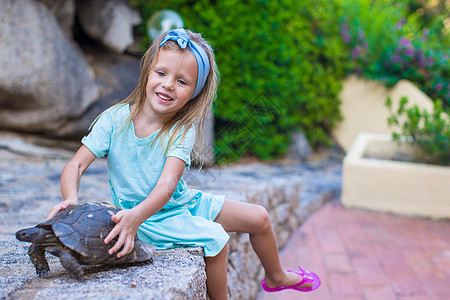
148, 139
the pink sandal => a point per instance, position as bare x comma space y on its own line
308, 277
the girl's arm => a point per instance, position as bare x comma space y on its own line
70, 179
129, 220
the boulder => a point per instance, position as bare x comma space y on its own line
116, 76
299, 148
44, 80
109, 22
64, 12
203, 155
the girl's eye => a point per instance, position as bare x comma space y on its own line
182, 82
160, 73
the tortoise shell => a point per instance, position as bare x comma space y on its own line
83, 228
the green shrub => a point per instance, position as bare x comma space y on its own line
386, 42
430, 131
281, 64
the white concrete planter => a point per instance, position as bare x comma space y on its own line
385, 185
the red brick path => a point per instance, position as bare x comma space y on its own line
367, 255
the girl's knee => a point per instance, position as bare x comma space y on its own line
261, 219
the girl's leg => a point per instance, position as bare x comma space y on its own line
216, 275
253, 219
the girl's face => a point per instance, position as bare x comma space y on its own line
171, 82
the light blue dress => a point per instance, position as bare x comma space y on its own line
134, 167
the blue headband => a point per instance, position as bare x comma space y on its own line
181, 37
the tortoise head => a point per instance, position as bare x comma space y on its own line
37, 235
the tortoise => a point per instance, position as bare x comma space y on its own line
76, 235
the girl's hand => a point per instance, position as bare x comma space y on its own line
127, 225
60, 206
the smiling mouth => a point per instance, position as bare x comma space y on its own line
164, 97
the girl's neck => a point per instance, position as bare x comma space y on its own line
146, 123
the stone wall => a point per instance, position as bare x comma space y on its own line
30, 186
290, 192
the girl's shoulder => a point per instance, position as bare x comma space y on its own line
116, 114
183, 130
118, 111
191, 131
112, 117
178, 134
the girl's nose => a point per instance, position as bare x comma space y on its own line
168, 84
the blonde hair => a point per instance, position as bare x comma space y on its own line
195, 109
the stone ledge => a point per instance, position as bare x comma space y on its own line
174, 274
30, 186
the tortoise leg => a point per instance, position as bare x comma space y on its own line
37, 256
71, 264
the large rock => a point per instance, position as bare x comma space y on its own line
203, 155
44, 80
64, 12
299, 148
109, 22
116, 76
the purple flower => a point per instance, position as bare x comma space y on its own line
405, 42
347, 38
356, 52
430, 61
344, 33
421, 58
438, 87
396, 59
400, 23
409, 52
361, 33
425, 34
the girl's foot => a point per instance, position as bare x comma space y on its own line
289, 279
302, 281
